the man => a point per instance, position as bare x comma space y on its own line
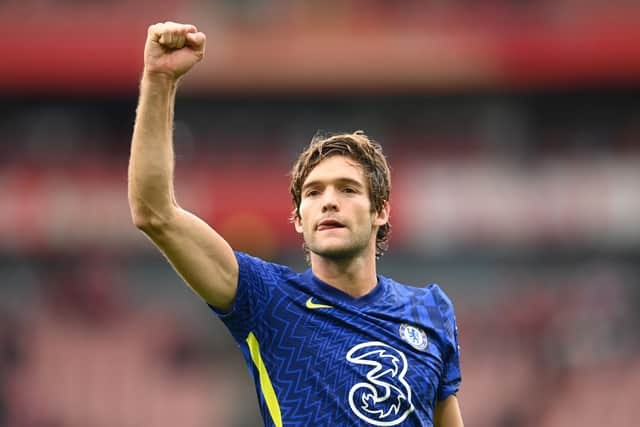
337, 345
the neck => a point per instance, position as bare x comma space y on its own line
354, 276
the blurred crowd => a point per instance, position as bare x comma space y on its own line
82, 353
554, 356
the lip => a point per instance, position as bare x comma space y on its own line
329, 224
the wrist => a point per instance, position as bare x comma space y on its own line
159, 79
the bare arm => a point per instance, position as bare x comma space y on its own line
199, 254
447, 413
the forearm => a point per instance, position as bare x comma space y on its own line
151, 163
447, 413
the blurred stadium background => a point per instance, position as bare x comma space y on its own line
513, 131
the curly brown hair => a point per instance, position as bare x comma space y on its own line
366, 152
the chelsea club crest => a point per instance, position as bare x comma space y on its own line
414, 336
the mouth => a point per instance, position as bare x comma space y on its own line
329, 224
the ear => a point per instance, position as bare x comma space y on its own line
382, 217
297, 222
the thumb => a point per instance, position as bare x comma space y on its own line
196, 40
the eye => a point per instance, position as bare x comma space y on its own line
350, 190
311, 193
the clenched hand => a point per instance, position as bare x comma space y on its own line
172, 49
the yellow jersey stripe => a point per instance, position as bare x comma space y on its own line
265, 382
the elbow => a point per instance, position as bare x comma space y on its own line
141, 219
147, 220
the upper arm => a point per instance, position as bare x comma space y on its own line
200, 255
447, 413
450, 375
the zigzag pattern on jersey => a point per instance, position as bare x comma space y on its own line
253, 295
289, 356
307, 377
331, 341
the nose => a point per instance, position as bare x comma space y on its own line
329, 200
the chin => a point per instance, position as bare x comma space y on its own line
337, 251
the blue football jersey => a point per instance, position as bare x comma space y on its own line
321, 357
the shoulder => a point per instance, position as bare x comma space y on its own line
441, 299
445, 308
431, 294
431, 301
252, 268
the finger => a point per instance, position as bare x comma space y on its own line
179, 28
191, 29
155, 32
166, 39
174, 39
165, 32
179, 41
196, 40
182, 28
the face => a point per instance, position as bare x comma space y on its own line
335, 210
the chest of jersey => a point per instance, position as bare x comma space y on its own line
333, 361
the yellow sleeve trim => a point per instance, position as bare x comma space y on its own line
265, 382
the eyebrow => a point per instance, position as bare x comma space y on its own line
349, 181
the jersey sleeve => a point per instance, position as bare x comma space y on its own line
451, 376
255, 278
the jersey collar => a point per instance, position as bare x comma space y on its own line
336, 294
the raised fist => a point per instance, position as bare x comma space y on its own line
172, 49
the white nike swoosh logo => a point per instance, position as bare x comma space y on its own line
312, 305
